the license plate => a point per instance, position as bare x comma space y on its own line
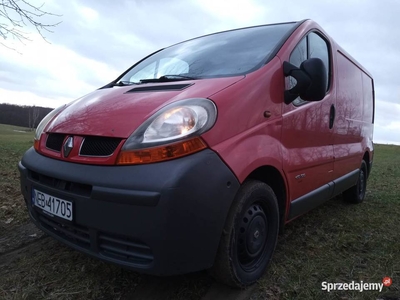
52, 205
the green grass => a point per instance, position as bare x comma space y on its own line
14, 141
337, 242
50, 270
341, 242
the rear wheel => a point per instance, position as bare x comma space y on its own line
249, 237
356, 194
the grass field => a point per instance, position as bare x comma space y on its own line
336, 242
340, 242
14, 141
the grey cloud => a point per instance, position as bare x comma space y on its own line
152, 24
368, 30
129, 30
22, 78
384, 135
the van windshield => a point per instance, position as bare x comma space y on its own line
227, 53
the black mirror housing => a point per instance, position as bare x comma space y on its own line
311, 80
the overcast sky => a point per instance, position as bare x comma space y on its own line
99, 39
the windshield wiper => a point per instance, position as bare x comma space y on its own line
123, 83
167, 78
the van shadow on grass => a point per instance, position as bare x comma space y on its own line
47, 269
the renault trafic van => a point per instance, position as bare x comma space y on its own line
197, 155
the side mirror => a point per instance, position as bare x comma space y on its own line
311, 80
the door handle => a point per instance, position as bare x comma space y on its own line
332, 114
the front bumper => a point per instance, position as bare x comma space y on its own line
163, 218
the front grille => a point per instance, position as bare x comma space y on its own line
91, 145
63, 185
99, 146
123, 249
77, 235
54, 141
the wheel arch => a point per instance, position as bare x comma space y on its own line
271, 176
366, 158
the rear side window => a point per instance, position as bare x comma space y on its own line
313, 45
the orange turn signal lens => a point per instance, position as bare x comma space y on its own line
36, 144
161, 153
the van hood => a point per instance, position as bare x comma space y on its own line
119, 110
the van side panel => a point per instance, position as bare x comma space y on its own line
307, 146
348, 141
242, 136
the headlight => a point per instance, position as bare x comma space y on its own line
176, 123
42, 125
176, 127
179, 120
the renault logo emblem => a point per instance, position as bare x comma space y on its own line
68, 145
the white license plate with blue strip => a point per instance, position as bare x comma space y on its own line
52, 205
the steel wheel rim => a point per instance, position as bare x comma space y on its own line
252, 237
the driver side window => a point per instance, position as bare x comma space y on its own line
313, 45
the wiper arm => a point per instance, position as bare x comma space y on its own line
123, 83
167, 78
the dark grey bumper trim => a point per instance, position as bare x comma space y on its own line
142, 198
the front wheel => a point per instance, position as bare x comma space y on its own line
356, 194
249, 237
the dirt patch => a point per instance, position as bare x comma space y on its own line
222, 292
12, 206
47, 269
35, 266
191, 287
18, 237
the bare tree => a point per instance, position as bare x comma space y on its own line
35, 116
30, 118
17, 14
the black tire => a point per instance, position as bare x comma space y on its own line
249, 237
356, 194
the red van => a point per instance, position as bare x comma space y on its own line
197, 155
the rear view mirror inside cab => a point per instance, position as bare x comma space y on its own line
311, 80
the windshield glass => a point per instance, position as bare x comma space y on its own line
222, 54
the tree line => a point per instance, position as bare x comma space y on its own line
24, 116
